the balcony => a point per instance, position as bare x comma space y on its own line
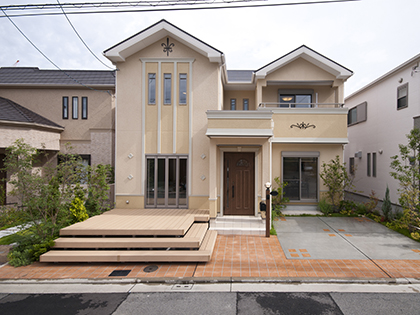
235, 123
271, 105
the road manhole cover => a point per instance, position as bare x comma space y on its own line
119, 273
151, 268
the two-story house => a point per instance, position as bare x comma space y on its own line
50, 109
381, 114
192, 134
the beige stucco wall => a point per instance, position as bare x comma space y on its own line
37, 138
204, 78
239, 96
327, 152
92, 136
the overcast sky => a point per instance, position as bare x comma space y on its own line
370, 37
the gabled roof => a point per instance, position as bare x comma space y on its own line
310, 55
150, 35
13, 112
33, 76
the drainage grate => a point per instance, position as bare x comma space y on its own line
119, 273
182, 287
151, 268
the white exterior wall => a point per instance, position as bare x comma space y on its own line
384, 129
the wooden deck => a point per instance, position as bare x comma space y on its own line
142, 235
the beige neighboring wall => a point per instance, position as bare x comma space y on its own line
40, 138
239, 96
92, 136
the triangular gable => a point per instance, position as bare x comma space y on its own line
150, 35
309, 55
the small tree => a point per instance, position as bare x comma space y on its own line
337, 180
387, 206
280, 200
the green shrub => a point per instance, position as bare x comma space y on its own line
325, 207
78, 209
387, 206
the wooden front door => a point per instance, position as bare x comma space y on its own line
239, 185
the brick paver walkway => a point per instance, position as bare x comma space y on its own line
234, 256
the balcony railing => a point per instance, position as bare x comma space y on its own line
300, 105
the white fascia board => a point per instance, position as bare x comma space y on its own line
146, 38
311, 56
236, 114
310, 111
311, 140
239, 133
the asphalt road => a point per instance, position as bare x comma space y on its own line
225, 303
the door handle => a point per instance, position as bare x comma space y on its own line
233, 191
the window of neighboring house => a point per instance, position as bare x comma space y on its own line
84, 107
368, 165
152, 88
357, 114
351, 165
182, 88
296, 100
402, 96
83, 159
65, 107
167, 88
75, 107
233, 104
374, 164
246, 104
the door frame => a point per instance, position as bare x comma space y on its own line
238, 149
302, 154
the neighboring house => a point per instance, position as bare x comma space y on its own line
51, 108
381, 114
191, 134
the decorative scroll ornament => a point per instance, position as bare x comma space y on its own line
167, 47
302, 125
242, 162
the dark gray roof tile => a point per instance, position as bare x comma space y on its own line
11, 111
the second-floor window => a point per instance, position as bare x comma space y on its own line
84, 107
246, 104
65, 107
182, 88
233, 104
167, 88
357, 114
152, 88
75, 107
402, 96
295, 100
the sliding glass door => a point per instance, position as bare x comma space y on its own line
166, 181
301, 176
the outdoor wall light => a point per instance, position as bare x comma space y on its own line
130, 156
127, 201
267, 185
203, 156
203, 177
130, 176
381, 151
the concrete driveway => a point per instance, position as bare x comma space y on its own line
342, 238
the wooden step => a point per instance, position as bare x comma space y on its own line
201, 255
141, 222
192, 239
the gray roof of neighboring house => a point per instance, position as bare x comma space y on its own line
11, 111
35, 76
240, 75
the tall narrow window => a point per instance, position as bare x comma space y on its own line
368, 165
84, 107
167, 88
65, 107
351, 166
233, 104
374, 164
402, 95
152, 88
183, 88
75, 107
246, 104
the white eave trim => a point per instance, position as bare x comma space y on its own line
311, 140
309, 55
239, 114
151, 35
239, 133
